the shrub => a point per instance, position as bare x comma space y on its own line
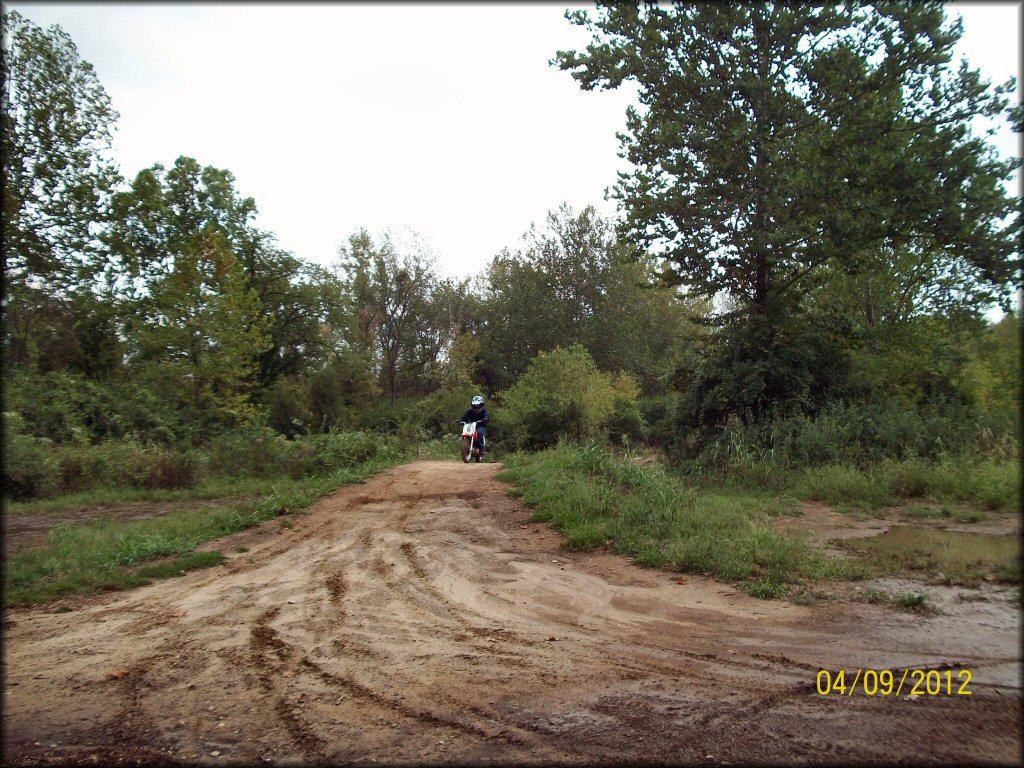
564, 395
438, 413
626, 423
659, 414
66, 407
288, 406
125, 463
339, 450
857, 435
28, 471
253, 452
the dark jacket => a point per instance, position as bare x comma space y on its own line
481, 417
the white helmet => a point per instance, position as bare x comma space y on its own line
477, 401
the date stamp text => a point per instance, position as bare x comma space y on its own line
888, 682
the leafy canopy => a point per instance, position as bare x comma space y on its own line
774, 139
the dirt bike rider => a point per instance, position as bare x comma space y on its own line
479, 414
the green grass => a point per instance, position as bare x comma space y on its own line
214, 488
985, 484
916, 602
104, 554
597, 500
723, 529
181, 565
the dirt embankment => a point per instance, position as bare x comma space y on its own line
420, 617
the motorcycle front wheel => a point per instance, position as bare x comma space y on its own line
465, 451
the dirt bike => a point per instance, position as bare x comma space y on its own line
471, 440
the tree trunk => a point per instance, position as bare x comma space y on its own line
762, 127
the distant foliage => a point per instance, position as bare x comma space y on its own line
37, 468
68, 407
154, 336
574, 281
856, 435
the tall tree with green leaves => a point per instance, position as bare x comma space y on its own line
776, 142
194, 322
574, 281
57, 179
388, 293
300, 304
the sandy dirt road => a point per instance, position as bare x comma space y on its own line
419, 617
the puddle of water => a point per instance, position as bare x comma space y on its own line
963, 557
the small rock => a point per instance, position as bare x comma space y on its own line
215, 753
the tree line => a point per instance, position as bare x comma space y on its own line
810, 221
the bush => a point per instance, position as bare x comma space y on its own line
626, 424
857, 435
35, 468
438, 413
758, 368
288, 407
126, 463
254, 452
659, 414
564, 395
68, 408
339, 450
29, 472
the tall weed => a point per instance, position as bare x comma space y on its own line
35, 468
857, 435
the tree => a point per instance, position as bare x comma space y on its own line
574, 281
300, 304
57, 179
778, 143
194, 325
388, 295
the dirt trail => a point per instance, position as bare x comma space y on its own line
419, 617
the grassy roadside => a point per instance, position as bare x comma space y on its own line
100, 498
725, 530
979, 483
597, 500
106, 554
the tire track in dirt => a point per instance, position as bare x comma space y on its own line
420, 617
266, 645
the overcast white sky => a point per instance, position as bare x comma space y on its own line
442, 119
